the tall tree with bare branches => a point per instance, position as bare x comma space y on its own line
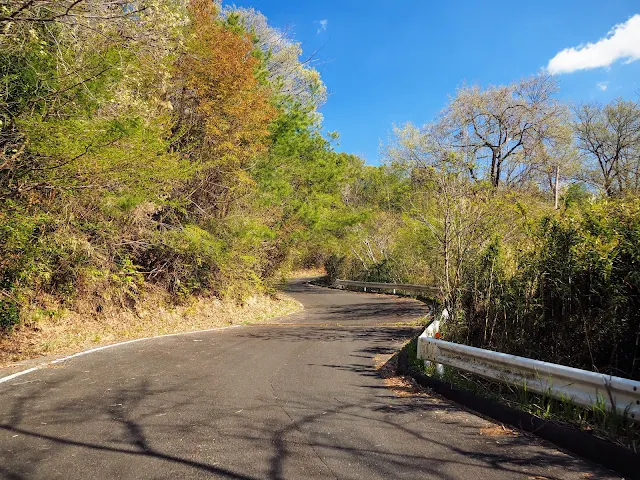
609, 138
499, 129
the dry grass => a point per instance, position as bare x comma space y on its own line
84, 327
307, 273
497, 431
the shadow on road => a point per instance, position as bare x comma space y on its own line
274, 402
139, 422
339, 307
378, 336
133, 441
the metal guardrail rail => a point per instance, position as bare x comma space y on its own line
394, 287
558, 381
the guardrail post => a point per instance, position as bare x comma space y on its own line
433, 331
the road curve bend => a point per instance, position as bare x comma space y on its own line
302, 399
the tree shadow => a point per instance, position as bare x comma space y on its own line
247, 421
326, 306
287, 432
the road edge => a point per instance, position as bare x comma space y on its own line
45, 364
60, 359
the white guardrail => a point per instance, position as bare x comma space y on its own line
578, 386
393, 287
558, 381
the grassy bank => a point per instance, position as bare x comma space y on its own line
53, 331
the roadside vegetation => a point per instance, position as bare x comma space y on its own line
65, 331
154, 151
169, 151
525, 213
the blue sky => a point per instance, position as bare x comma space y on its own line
387, 62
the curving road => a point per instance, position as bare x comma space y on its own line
302, 399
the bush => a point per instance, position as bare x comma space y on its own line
9, 315
573, 298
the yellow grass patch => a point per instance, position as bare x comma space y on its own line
497, 431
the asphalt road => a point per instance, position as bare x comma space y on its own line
304, 399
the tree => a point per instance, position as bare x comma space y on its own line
556, 159
500, 128
294, 79
70, 11
223, 112
63, 61
455, 211
609, 138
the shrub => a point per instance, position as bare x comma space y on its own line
9, 315
573, 298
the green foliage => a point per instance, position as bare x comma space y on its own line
182, 147
381, 271
572, 297
577, 195
9, 315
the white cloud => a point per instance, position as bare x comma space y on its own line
323, 26
602, 85
622, 42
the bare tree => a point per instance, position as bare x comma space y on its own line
556, 159
456, 211
501, 128
69, 11
609, 138
293, 76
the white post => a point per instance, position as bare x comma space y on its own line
433, 331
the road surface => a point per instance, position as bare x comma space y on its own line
304, 399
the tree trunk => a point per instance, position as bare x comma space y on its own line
556, 187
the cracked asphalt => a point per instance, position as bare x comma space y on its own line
302, 399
